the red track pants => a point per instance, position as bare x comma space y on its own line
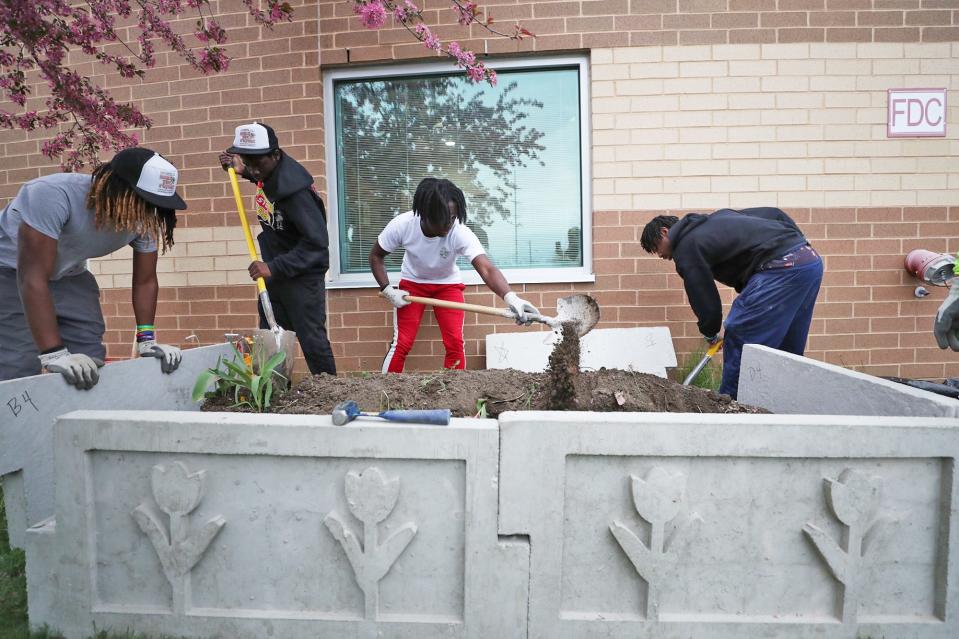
406, 323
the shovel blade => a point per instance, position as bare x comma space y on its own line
266, 343
580, 309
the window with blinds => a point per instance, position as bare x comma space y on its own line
516, 151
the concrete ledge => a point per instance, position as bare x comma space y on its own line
251, 526
790, 384
30, 405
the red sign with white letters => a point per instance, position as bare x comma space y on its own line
916, 113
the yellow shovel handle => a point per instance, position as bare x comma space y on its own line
713, 349
260, 284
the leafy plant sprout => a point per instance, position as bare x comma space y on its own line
250, 381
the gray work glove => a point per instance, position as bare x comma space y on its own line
520, 307
946, 327
169, 356
78, 369
395, 296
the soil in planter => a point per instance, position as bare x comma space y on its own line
490, 392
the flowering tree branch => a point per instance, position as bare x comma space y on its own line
38, 35
373, 13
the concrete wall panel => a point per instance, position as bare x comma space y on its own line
30, 405
734, 525
274, 521
787, 383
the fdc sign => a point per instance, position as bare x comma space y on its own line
915, 113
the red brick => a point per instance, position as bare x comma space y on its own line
800, 35
734, 20
752, 36
848, 35
703, 37
832, 19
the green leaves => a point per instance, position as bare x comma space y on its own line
250, 384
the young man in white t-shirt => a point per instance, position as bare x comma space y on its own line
434, 234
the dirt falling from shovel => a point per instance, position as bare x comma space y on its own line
562, 369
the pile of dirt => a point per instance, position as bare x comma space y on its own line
487, 393
491, 392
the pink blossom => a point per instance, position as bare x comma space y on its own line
467, 12
476, 73
406, 11
372, 14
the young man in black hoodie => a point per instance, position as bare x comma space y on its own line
294, 243
762, 254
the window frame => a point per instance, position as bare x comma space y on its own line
338, 279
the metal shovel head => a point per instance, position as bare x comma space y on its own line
267, 343
581, 309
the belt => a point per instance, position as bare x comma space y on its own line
798, 256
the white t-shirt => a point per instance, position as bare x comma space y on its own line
429, 260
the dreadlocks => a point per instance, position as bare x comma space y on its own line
653, 230
431, 198
118, 207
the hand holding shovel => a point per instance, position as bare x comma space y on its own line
581, 310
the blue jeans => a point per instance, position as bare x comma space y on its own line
775, 310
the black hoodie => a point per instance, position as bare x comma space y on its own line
727, 246
294, 240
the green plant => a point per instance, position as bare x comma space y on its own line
481, 411
429, 379
708, 378
247, 379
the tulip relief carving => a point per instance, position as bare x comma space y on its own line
657, 499
854, 500
371, 498
178, 493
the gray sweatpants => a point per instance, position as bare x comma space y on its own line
76, 301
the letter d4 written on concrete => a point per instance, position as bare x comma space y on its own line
916, 113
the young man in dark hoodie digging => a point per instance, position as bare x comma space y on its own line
294, 243
762, 254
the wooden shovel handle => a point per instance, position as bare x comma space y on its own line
462, 306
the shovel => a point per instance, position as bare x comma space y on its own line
702, 363
582, 310
276, 339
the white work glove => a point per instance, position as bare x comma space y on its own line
520, 307
395, 296
169, 356
946, 327
78, 369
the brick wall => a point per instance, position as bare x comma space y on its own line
722, 102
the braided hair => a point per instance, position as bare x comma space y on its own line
118, 207
431, 201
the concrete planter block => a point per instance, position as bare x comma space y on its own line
734, 526
30, 405
790, 384
643, 350
250, 526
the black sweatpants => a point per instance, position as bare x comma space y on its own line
299, 305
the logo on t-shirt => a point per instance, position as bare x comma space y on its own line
444, 252
268, 214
